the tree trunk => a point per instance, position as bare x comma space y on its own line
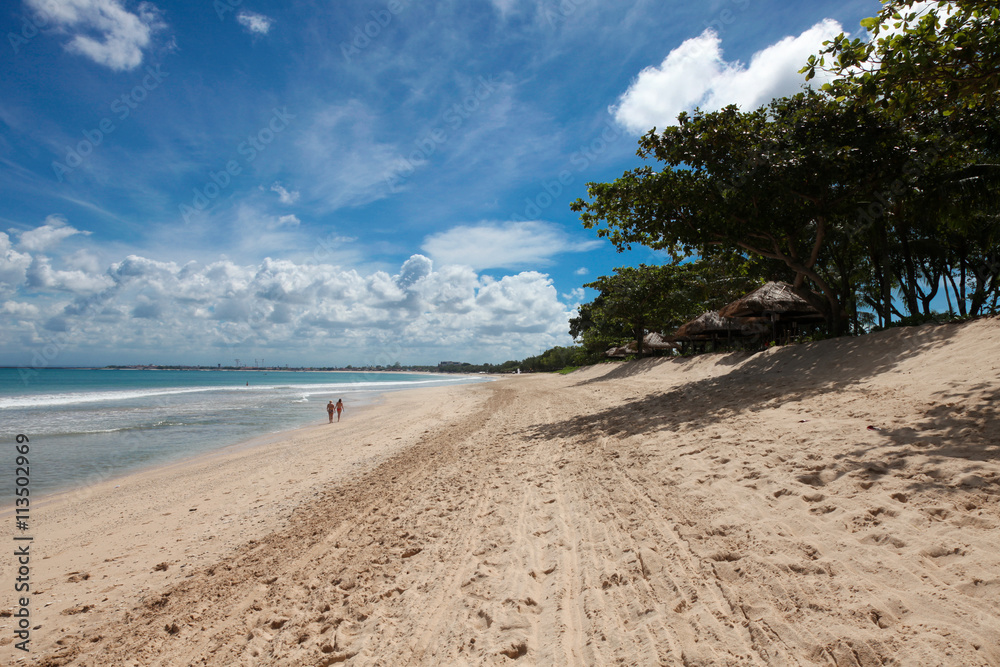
958, 295
910, 283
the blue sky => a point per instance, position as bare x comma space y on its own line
356, 182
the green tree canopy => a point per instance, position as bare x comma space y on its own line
635, 301
946, 54
782, 182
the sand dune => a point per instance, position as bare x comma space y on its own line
832, 503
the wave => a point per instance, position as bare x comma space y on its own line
163, 424
46, 400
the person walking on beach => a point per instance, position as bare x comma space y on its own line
340, 408
329, 411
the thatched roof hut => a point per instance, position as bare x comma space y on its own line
656, 341
651, 342
712, 323
770, 299
707, 323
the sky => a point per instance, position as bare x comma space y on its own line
352, 182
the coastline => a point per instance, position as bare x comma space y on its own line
834, 501
102, 543
158, 468
76, 445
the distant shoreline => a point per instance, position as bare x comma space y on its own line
300, 369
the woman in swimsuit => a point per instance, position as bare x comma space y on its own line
340, 408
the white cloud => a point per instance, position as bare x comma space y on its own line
103, 30
19, 310
49, 234
84, 261
41, 276
13, 265
307, 311
364, 169
288, 221
696, 75
284, 195
582, 271
502, 245
257, 24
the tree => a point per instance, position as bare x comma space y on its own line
946, 54
782, 182
639, 300
630, 302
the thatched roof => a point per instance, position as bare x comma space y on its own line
655, 341
714, 323
773, 297
650, 342
706, 323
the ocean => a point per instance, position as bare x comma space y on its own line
88, 425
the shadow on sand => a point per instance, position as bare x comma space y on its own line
963, 425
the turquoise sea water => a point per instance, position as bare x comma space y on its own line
88, 425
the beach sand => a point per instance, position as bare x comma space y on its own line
718, 510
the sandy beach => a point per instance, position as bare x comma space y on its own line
834, 503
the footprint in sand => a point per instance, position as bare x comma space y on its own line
884, 538
939, 551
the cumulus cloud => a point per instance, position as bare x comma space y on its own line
84, 261
582, 271
502, 245
13, 265
256, 24
433, 305
284, 196
307, 311
695, 74
414, 269
103, 30
41, 276
49, 234
18, 309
